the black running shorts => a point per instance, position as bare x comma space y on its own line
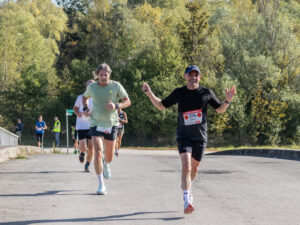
120, 131
40, 137
84, 134
196, 148
107, 136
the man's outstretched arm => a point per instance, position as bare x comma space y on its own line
229, 96
155, 100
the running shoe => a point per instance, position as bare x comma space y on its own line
106, 170
81, 157
75, 152
86, 168
117, 153
188, 208
101, 190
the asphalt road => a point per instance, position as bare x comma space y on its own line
144, 189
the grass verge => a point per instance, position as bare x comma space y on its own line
289, 147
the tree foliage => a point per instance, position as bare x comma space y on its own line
47, 52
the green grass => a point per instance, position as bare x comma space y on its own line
57, 151
292, 147
151, 148
21, 157
230, 147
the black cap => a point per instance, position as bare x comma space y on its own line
191, 68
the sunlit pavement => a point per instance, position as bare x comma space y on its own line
145, 189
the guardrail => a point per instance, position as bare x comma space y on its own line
7, 138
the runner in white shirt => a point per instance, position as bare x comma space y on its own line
83, 127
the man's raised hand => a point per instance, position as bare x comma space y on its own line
146, 88
230, 93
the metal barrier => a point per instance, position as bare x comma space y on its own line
7, 138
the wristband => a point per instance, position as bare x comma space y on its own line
227, 102
85, 108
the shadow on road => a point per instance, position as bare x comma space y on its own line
214, 172
121, 217
36, 194
42, 172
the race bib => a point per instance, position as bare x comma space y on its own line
84, 118
39, 128
106, 130
192, 117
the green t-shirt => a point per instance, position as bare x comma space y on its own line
100, 116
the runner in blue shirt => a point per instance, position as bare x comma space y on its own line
40, 126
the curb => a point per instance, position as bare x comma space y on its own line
270, 153
7, 153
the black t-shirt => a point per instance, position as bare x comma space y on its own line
192, 111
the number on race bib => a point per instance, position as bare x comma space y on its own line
106, 130
192, 117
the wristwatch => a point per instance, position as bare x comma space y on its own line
117, 106
227, 102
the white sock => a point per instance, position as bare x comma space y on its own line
105, 163
100, 178
186, 195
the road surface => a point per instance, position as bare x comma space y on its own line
144, 189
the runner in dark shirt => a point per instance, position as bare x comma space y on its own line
191, 134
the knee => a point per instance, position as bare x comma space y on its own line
195, 169
108, 158
186, 168
98, 154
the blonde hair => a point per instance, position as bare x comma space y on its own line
102, 66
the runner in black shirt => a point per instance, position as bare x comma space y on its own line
191, 134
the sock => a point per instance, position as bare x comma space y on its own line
104, 162
100, 178
186, 195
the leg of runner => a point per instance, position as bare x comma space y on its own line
38, 140
194, 172
90, 154
186, 181
109, 153
76, 143
98, 148
118, 144
195, 168
42, 141
82, 148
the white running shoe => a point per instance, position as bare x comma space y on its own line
101, 190
188, 208
106, 169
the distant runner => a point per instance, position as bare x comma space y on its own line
83, 128
74, 138
40, 127
191, 134
122, 120
106, 94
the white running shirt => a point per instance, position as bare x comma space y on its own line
83, 123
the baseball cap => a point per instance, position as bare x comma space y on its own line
191, 68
